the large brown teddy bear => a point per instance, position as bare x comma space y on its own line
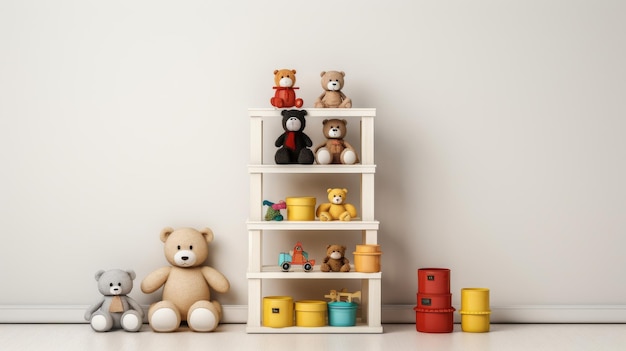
335, 149
332, 83
335, 260
186, 283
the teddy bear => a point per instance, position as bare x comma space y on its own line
332, 83
335, 149
186, 283
335, 260
294, 144
336, 208
285, 95
115, 309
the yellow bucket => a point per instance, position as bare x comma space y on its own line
311, 313
367, 262
277, 311
300, 208
475, 310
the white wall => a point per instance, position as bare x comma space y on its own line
499, 138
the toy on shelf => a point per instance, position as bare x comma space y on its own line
335, 260
115, 309
294, 144
285, 95
335, 149
336, 296
297, 256
332, 83
186, 283
273, 210
336, 209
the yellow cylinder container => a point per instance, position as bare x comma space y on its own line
367, 258
277, 311
475, 311
311, 313
300, 208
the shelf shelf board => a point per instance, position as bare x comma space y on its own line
360, 328
312, 225
316, 112
296, 272
314, 168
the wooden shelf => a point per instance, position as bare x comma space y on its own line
259, 169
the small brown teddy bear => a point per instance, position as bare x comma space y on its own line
285, 95
335, 260
335, 150
332, 83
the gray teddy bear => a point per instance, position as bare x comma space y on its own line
115, 309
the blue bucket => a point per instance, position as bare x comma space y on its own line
342, 314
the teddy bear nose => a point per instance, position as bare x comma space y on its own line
184, 258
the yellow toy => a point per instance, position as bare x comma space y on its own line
336, 208
335, 296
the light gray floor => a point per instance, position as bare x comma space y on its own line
396, 337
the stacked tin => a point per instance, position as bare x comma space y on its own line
434, 312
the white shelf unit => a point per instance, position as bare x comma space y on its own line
258, 169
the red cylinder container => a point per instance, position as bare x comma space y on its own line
434, 301
434, 320
433, 281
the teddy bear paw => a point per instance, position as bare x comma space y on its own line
325, 217
323, 156
131, 321
164, 320
202, 320
348, 157
101, 323
345, 217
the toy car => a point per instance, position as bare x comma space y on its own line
297, 256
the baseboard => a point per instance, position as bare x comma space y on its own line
390, 314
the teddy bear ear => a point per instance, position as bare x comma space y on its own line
293, 71
328, 247
345, 122
345, 190
131, 274
342, 73
275, 71
322, 74
166, 232
208, 234
99, 274
329, 190
324, 122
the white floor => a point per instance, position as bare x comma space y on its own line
396, 337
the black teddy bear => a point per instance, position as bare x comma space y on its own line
293, 143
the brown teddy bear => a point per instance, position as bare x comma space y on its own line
335, 260
336, 208
285, 95
186, 283
335, 149
332, 83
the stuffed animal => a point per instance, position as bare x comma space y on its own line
294, 143
332, 83
335, 260
335, 149
285, 95
273, 210
186, 283
115, 309
336, 208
